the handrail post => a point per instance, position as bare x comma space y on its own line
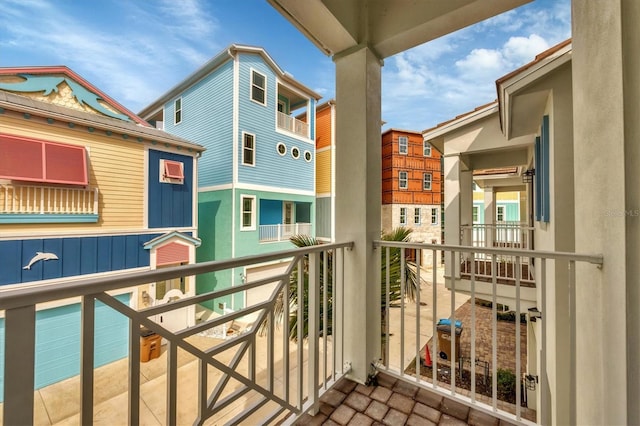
19, 360
314, 326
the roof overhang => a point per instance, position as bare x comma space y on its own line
388, 27
521, 109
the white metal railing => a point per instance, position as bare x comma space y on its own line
36, 199
407, 330
282, 231
293, 125
297, 372
515, 235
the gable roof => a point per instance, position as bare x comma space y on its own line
225, 55
47, 79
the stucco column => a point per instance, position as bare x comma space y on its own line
358, 201
489, 214
458, 201
606, 89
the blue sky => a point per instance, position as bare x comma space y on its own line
135, 50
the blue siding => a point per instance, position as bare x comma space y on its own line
260, 120
76, 256
170, 204
542, 193
270, 212
207, 117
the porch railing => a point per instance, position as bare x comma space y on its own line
37, 199
510, 235
412, 339
282, 231
296, 371
293, 125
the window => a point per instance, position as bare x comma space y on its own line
426, 181
500, 213
434, 216
416, 216
403, 144
258, 87
36, 160
295, 152
177, 111
282, 148
476, 214
248, 149
403, 215
307, 156
402, 180
248, 217
171, 172
426, 149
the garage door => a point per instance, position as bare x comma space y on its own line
262, 293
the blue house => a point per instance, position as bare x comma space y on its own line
256, 183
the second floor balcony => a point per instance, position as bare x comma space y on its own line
283, 231
270, 373
293, 125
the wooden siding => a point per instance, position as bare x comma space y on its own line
116, 167
323, 172
415, 164
270, 169
170, 205
76, 256
323, 128
207, 119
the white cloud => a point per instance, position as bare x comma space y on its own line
481, 63
520, 50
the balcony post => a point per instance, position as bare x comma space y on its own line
358, 201
607, 299
458, 205
489, 216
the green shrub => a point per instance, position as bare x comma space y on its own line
506, 385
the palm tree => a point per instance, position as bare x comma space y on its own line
395, 256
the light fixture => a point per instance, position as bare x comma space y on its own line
527, 175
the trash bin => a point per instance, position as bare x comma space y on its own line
444, 338
149, 344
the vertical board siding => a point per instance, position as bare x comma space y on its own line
170, 204
260, 120
323, 217
115, 167
76, 256
207, 119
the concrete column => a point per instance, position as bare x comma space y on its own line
466, 203
358, 201
606, 89
489, 214
452, 197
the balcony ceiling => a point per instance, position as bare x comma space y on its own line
387, 26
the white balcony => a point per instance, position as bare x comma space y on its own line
282, 231
31, 202
266, 375
293, 125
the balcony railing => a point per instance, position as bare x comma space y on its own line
272, 377
293, 125
282, 232
411, 326
259, 368
42, 200
504, 234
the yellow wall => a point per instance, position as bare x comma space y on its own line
323, 172
500, 196
116, 167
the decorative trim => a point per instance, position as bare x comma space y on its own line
48, 218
